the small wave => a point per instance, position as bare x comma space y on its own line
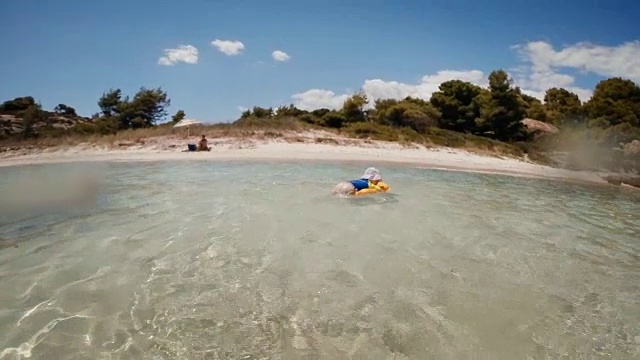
203, 259
25, 349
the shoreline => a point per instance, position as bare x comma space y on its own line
372, 153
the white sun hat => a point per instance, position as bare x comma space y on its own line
372, 174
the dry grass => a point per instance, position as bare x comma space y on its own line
284, 129
432, 138
253, 128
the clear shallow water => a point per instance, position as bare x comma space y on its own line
238, 260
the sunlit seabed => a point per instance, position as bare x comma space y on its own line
242, 260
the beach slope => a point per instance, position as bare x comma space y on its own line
310, 148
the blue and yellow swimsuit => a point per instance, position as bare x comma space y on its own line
362, 184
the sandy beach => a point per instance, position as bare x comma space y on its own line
308, 147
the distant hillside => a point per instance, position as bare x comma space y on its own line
23, 116
14, 125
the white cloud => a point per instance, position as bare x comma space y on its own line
622, 60
381, 89
317, 98
187, 54
544, 63
279, 55
538, 72
228, 47
241, 108
378, 89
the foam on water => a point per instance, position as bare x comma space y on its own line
241, 260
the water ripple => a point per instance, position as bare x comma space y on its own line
257, 261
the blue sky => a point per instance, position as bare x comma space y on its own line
71, 52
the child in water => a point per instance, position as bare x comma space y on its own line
368, 180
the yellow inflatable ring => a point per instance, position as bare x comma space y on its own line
381, 187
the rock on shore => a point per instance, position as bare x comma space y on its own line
631, 180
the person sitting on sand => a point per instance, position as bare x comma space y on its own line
202, 145
368, 180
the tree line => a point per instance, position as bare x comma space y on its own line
117, 112
495, 112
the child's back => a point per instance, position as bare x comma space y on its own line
368, 180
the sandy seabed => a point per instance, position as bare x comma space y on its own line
369, 153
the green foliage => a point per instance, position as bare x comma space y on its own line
309, 119
262, 113
457, 102
563, 107
147, 107
103, 126
614, 101
17, 105
353, 107
288, 111
320, 112
376, 131
502, 109
272, 123
110, 102
245, 114
413, 113
30, 116
179, 115
66, 110
150, 106
534, 108
333, 119
621, 133
433, 136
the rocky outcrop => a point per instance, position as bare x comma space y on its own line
632, 148
539, 126
11, 124
630, 180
